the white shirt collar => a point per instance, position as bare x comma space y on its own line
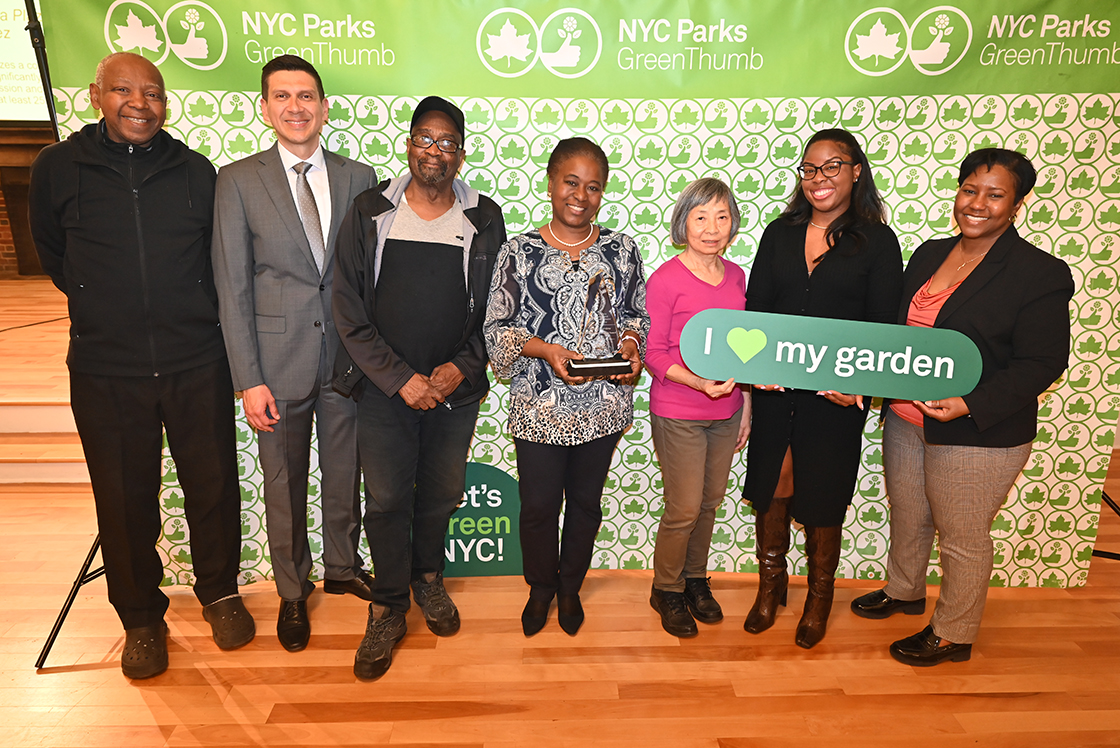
289, 159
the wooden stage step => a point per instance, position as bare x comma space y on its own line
44, 457
38, 438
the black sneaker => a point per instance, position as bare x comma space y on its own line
675, 617
439, 611
698, 595
375, 653
145, 651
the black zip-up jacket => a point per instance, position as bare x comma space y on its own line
124, 232
364, 354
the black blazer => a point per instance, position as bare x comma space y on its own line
1015, 307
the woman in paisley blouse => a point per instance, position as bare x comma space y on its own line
563, 292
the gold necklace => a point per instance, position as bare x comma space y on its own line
822, 228
974, 259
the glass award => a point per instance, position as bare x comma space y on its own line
600, 330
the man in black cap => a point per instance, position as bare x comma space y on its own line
413, 265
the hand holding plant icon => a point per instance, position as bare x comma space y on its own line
568, 54
938, 50
195, 47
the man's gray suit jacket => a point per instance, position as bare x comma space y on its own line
274, 305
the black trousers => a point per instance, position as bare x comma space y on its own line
415, 466
551, 475
121, 421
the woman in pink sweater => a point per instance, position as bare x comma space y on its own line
698, 424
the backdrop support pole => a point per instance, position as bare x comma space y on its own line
1116, 510
84, 576
39, 44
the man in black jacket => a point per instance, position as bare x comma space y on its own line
413, 265
121, 215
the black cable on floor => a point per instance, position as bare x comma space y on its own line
32, 324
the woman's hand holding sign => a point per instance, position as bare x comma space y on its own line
943, 410
835, 397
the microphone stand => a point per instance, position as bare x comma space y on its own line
40, 46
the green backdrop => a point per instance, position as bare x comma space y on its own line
674, 91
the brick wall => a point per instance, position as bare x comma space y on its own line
8, 264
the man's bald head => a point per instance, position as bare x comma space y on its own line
99, 76
128, 90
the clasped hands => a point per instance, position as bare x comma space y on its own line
424, 393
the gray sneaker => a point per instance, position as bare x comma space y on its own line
375, 653
439, 611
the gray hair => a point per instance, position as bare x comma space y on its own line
701, 192
99, 76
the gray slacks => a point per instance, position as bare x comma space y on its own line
285, 456
955, 491
695, 459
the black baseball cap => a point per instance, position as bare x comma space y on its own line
436, 104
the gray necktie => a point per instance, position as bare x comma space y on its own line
310, 214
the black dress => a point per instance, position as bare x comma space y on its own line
850, 282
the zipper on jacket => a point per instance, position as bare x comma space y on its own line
143, 264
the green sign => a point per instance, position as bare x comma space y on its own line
605, 48
814, 353
483, 538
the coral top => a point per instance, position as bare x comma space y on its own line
924, 308
673, 296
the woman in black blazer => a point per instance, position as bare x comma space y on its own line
950, 463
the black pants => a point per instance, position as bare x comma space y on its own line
415, 466
549, 476
121, 421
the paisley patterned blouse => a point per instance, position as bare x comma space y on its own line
537, 291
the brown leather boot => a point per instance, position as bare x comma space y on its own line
822, 550
772, 542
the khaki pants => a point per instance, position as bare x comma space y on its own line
695, 461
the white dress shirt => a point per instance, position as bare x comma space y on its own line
317, 179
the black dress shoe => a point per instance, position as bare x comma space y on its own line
534, 616
878, 605
569, 612
359, 586
924, 650
293, 627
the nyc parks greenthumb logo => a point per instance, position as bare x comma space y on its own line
814, 353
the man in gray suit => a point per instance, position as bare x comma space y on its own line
275, 219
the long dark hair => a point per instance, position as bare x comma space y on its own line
866, 206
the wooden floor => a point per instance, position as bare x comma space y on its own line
1046, 671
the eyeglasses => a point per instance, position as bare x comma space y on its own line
831, 169
424, 142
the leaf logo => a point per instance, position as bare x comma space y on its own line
191, 30
509, 43
880, 40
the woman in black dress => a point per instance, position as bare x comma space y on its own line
830, 254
